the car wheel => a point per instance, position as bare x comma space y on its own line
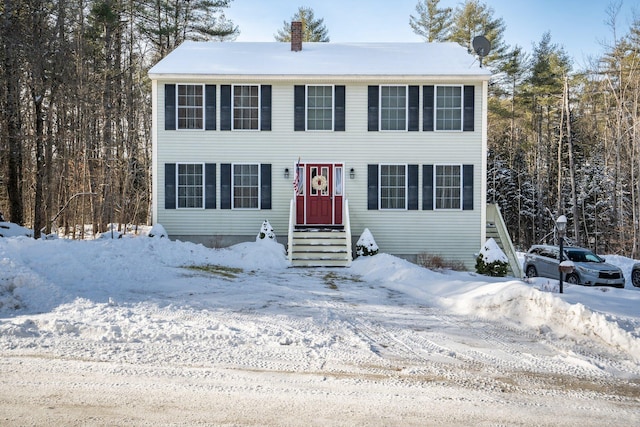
635, 278
531, 271
572, 279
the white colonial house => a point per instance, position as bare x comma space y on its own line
386, 136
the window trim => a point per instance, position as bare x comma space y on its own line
178, 164
259, 185
435, 108
306, 107
233, 107
406, 186
406, 108
435, 187
202, 108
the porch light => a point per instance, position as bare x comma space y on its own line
352, 173
286, 173
561, 227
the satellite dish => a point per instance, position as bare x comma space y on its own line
482, 46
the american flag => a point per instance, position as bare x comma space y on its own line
296, 177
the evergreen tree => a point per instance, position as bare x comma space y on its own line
313, 30
474, 18
432, 23
168, 23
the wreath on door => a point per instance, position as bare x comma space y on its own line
319, 183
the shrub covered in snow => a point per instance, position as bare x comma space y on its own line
9, 229
366, 245
492, 261
158, 231
266, 232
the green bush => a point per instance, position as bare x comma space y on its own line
494, 269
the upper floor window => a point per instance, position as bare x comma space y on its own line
190, 107
448, 186
246, 186
449, 107
393, 186
246, 107
190, 185
393, 107
319, 107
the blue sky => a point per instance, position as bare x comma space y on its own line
577, 25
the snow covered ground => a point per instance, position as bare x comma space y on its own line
146, 331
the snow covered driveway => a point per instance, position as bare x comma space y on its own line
120, 332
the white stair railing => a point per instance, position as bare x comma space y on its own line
347, 229
292, 207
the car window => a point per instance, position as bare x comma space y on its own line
577, 256
591, 257
549, 253
583, 256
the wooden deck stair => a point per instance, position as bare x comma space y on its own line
319, 247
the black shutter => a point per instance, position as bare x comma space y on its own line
469, 98
225, 107
374, 93
427, 187
210, 107
169, 185
412, 203
225, 186
427, 108
299, 102
265, 186
467, 187
169, 107
414, 108
372, 187
210, 186
265, 107
339, 123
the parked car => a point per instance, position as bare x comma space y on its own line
590, 269
635, 275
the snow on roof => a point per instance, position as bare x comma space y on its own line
335, 59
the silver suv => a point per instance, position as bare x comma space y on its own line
590, 269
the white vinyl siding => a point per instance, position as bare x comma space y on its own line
406, 232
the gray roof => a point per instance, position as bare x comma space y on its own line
317, 59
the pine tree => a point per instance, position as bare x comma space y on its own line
168, 23
432, 23
313, 30
473, 19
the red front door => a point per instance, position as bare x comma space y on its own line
319, 191
319, 200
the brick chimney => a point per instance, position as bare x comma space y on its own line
296, 36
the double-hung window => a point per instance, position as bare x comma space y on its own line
393, 107
246, 186
393, 186
190, 106
246, 107
448, 187
449, 107
190, 185
319, 107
